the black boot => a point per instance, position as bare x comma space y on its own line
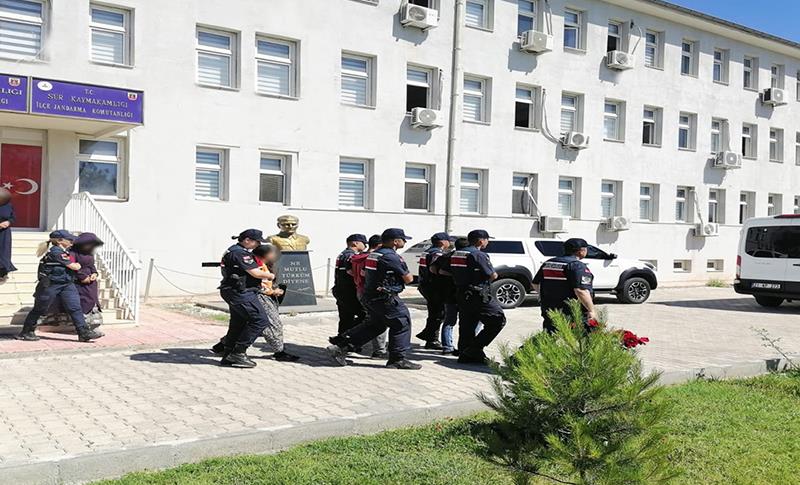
89, 335
28, 334
219, 348
404, 364
433, 345
237, 357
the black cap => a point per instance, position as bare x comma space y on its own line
357, 238
375, 240
573, 244
477, 234
62, 234
441, 236
254, 234
394, 233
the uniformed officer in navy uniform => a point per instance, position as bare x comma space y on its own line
351, 313
473, 275
241, 282
565, 278
429, 288
386, 275
57, 282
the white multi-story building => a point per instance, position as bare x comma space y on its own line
226, 115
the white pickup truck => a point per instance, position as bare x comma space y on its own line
517, 260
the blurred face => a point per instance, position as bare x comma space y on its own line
358, 246
582, 252
399, 243
64, 243
482, 243
249, 243
445, 244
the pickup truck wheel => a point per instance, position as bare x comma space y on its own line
634, 290
509, 292
769, 301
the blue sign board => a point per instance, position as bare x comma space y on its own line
86, 101
13, 93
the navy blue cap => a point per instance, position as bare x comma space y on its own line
477, 234
442, 236
375, 240
394, 233
573, 244
254, 234
62, 234
357, 238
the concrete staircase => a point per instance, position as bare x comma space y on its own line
16, 294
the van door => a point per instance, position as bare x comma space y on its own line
604, 269
789, 244
769, 251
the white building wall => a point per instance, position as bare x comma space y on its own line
162, 219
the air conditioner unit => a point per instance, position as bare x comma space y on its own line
617, 223
535, 41
552, 224
773, 97
707, 229
575, 140
419, 17
425, 118
728, 160
619, 60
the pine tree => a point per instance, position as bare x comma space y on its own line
576, 407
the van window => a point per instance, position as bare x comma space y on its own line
773, 242
505, 247
550, 248
595, 253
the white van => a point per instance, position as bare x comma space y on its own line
768, 263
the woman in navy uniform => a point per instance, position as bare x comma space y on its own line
386, 277
240, 286
57, 281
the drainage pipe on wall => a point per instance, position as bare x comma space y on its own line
454, 123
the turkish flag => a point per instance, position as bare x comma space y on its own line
21, 173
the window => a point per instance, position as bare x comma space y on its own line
504, 247
356, 83
567, 199
216, 58
471, 196
721, 66
476, 99
775, 145
682, 266
714, 265
570, 112
750, 66
749, 134
418, 88
797, 85
777, 76
526, 16
478, 14
774, 204
718, 134
613, 120
651, 126
100, 167
746, 206
110, 32
22, 28
209, 174
686, 130
353, 183
522, 190
773, 242
525, 107
796, 208
608, 198
276, 67
647, 202
614, 38
417, 187
423, 3
682, 204
653, 48
272, 178
573, 29
797, 148
716, 206
688, 55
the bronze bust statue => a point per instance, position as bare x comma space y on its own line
288, 239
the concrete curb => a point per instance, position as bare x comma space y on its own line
96, 466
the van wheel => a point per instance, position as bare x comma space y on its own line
634, 291
509, 292
769, 301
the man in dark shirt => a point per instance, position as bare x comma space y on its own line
429, 289
351, 313
565, 278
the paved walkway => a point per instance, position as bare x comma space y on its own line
116, 406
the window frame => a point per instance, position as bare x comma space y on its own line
572, 193
284, 172
483, 95
652, 201
534, 16
618, 118
724, 66
715, 265
292, 63
120, 160
614, 196
428, 182
222, 170
691, 130
777, 76
685, 266
686, 202
365, 178
488, 8
126, 30
718, 132
658, 49
232, 54
368, 76
691, 54
478, 186
578, 27
797, 148
532, 102
778, 141
656, 123
796, 207
430, 86
42, 22
532, 182
774, 204
746, 206
576, 109
716, 206
753, 70
753, 137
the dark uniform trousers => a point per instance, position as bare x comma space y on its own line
472, 310
434, 300
351, 312
248, 319
67, 294
384, 312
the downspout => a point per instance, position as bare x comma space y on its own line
455, 118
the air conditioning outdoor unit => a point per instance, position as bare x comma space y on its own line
728, 160
706, 229
773, 97
552, 224
419, 17
619, 60
425, 118
575, 140
617, 223
535, 41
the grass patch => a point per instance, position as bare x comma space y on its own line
198, 312
726, 433
717, 283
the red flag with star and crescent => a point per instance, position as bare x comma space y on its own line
21, 174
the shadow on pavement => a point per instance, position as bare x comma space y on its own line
178, 356
733, 305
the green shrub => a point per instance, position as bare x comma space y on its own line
717, 283
576, 407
